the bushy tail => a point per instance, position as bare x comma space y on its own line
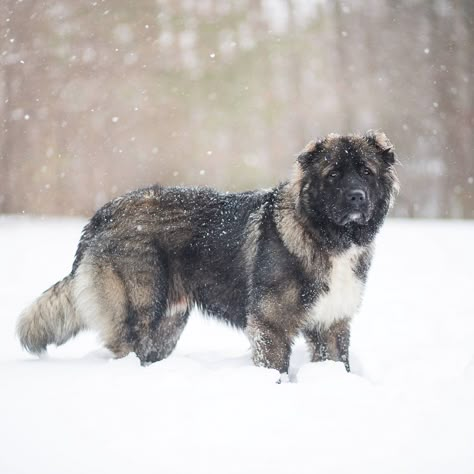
51, 319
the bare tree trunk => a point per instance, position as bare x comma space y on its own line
14, 142
298, 104
467, 15
345, 86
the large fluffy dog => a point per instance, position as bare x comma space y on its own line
276, 263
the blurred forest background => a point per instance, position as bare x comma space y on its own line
98, 97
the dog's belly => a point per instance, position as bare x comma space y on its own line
345, 291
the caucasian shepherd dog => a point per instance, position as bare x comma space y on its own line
278, 263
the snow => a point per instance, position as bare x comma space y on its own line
407, 407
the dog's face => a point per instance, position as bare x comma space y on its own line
348, 179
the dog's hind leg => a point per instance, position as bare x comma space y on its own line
158, 336
154, 322
163, 336
101, 301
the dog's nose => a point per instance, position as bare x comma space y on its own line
356, 196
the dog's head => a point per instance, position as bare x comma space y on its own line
348, 180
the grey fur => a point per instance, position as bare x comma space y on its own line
278, 263
52, 318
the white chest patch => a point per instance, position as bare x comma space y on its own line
345, 291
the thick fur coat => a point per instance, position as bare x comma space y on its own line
278, 263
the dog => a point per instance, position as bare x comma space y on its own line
276, 263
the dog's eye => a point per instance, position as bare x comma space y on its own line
367, 171
333, 174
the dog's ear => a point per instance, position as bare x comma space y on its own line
310, 153
380, 141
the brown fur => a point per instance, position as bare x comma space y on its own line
275, 263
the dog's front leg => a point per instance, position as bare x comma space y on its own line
330, 343
271, 345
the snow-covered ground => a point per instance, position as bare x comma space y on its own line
407, 408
